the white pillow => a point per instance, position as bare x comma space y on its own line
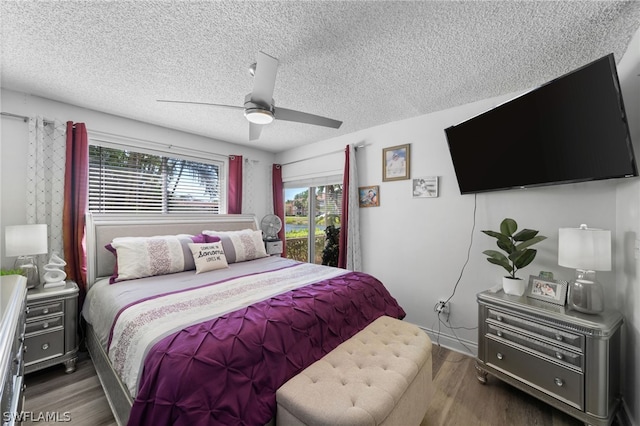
240, 246
146, 257
208, 256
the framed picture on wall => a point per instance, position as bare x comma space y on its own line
425, 187
369, 196
395, 163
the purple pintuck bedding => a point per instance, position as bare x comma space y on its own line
226, 369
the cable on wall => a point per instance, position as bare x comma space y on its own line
441, 313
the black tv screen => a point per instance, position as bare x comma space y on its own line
572, 129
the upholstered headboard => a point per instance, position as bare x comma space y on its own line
102, 228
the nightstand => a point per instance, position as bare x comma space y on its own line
565, 358
273, 247
51, 329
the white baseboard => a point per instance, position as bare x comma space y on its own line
449, 341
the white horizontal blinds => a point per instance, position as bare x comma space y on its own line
124, 181
192, 186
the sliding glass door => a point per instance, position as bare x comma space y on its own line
309, 211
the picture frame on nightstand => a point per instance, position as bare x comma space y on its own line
547, 289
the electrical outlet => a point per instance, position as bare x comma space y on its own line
442, 307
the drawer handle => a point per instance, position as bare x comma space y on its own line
45, 311
559, 337
499, 355
559, 355
27, 310
558, 381
499, 333
45, 346
45, 325
499, 317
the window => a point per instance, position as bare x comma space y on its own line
124, 181
306, 219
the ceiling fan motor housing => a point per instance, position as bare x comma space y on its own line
258, 113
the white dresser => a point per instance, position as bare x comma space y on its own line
13, 296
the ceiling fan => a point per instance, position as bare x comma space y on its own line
259, 107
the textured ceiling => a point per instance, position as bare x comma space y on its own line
365, 63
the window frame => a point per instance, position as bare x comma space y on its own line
168, 151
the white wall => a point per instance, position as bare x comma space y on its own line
257, 196
627, 236
417, 247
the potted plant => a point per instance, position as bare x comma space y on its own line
518, 254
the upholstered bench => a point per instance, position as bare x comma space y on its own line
380, 376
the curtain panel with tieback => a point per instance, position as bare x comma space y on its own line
235, 185
278, 203
75, 204
350, 256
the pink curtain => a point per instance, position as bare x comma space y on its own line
235, 184
278, 203
344, 214
76, 182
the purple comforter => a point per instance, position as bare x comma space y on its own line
226, 371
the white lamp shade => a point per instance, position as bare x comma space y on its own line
25, 240
585, 248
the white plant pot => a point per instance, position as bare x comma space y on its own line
513, 286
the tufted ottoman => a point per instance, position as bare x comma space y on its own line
380, 376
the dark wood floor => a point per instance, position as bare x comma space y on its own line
459, 399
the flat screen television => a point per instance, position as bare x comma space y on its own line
571, 129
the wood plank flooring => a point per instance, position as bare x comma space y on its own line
459, 399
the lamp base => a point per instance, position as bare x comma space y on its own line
585, 293
28, 265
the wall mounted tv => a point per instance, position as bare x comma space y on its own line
572, 129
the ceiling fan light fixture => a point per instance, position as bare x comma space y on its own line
258, 116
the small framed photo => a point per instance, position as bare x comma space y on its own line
425, 187
395, 163
369, 196
547, 289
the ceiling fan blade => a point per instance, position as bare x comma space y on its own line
264, 79
254, 131
201, 103
303, 117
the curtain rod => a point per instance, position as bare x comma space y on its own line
22, 117
321, 155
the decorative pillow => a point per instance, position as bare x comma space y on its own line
138, 257
208, 256
240, 246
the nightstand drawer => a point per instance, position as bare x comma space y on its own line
44, 324
561, 336
48, 308
532, 343
555, 380
274, 247
44, 346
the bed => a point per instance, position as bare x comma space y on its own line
204, 347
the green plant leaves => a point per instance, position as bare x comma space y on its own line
515, 245
530, 242
525, 234
508, 227
525, 258
500, 259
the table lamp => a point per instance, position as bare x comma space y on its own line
587, 250
25, 242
